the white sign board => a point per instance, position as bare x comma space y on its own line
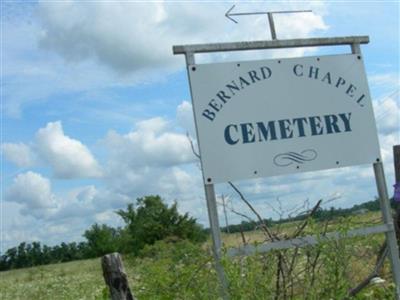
282, 116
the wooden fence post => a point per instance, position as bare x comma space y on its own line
396, 159
115, 277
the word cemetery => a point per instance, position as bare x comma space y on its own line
287, 128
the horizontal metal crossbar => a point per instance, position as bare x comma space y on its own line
308, 240
270, 44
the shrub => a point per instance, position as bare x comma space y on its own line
152, 220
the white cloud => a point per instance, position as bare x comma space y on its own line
19, 154
105, 216
128, 37
133, 36
88, 201
184, 116
24, 228
17, 232
178, 181
181, 183
152, 159
387, 112
87, 194
116, 34
68, 157
387, 142
384, 80
33, 192
26, 65
152, 143
34, 195
299, 25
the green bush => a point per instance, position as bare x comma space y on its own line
174, 269
152, 220
101, 239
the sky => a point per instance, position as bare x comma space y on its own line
95, 108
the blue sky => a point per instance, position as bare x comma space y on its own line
95, 108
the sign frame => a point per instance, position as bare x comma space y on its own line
245, 110
387, 227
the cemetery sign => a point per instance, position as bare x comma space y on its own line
281, 116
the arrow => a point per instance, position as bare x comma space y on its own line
229, 15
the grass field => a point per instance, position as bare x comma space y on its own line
72, 280
185, 272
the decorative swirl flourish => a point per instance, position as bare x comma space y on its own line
288, 158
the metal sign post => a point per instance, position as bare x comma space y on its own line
387, 227
388, 220
212, 214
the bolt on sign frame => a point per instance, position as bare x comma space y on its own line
387, 227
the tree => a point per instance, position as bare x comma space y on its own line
152, 220
36, 254
102, 239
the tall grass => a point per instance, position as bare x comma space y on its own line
181, 270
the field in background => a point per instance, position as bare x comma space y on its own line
182, 273
71, 280
355, 221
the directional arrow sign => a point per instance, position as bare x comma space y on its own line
229, 15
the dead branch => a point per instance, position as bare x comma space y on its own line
260, 220
279, 213
192, 146
242, 215
242, 234
297, 210
373, 274
312, 212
